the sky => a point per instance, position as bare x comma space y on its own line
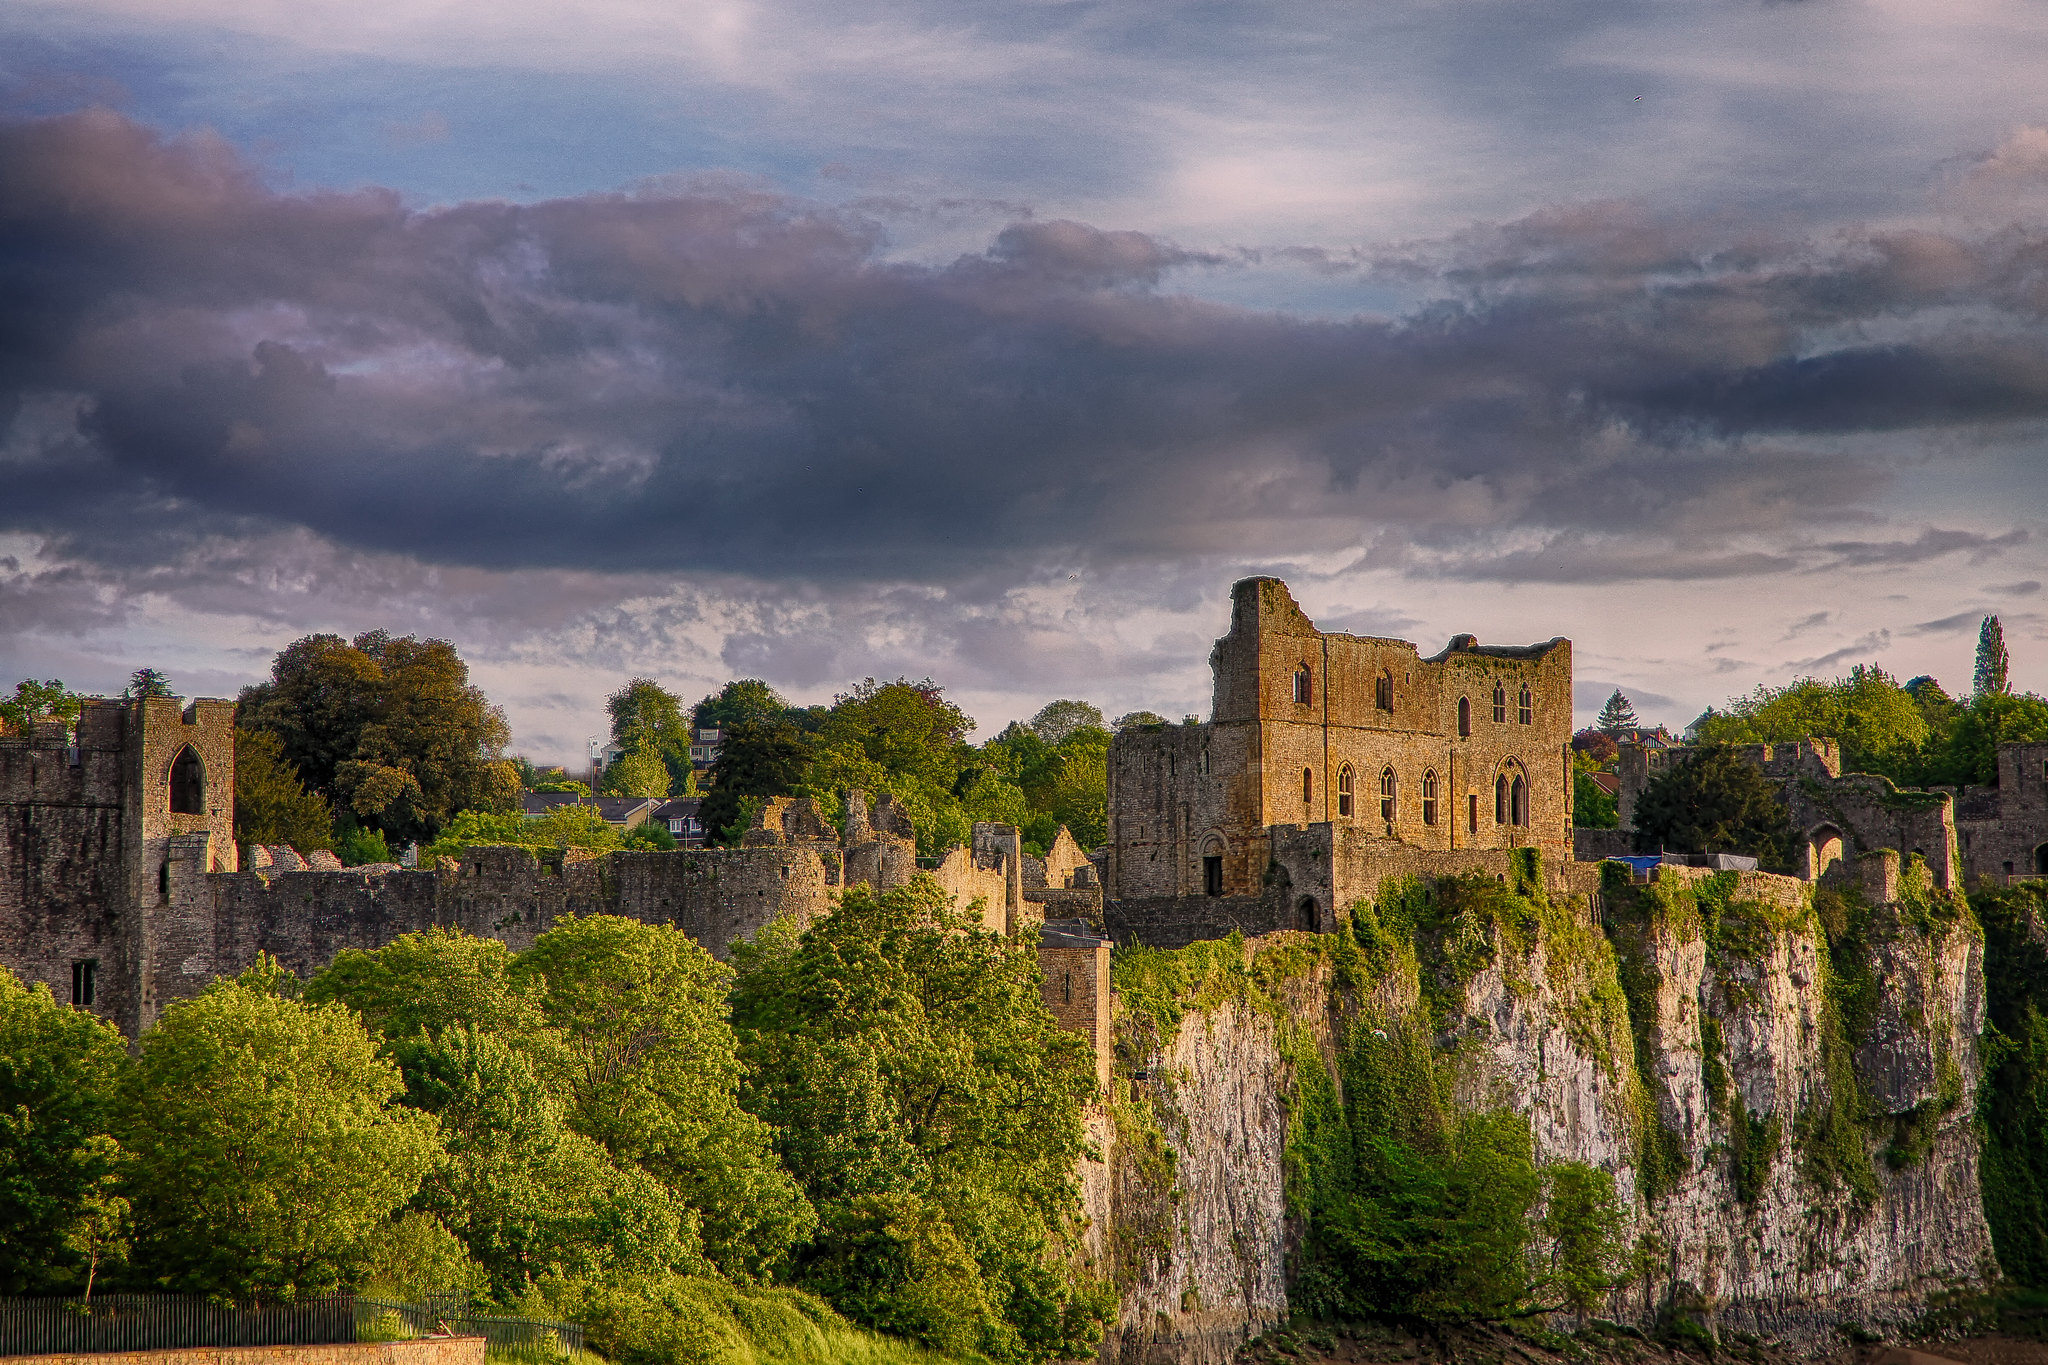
990, 342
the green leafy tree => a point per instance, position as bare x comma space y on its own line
1592, 806
426, 983
1618, 716
358, 846
648, 720
653, 1075
1991, 675
267, 1150
388, 729
1137, 720
60, 1075
99, 1229
1714, 802
1970, 753
147, 682
1880, 726
755, 759
639, 774
1058, 719
745, 701
34, 700
272, 806
528, 1197
931, 1108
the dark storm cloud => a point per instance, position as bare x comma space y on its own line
713, 377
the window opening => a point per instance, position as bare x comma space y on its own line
1344, 791
1500, 704
1304, 685
1383, 691
2041, 861
188, 783
1388, 792
1205, 762
1518, 800
1067, 988
1472, 813
1464, 717
1308, 785
84, 982
1500, 799
1429, 798
1212, 874
1525, 708
1306, 915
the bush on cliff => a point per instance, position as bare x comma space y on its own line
2012, 1099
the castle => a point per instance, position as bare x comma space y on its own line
1330, 762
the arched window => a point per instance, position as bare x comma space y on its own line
1464, 718
2041, 861
1306, 915
1525, 708
1500, 799
1304, 685
1388, 791
188, 783
1308, 786
1383, 691
1518, 801
1429, 797
1344, 791
1212, 866
1500, 704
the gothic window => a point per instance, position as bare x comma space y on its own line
1388, 791
1304, 685
1518, 800
1464, 717
1308, 785
1383, 691
1525, 708
1344, 791
1500, 799
1500, 704
1429, 798
188, 783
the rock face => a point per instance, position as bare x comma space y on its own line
1784, 1103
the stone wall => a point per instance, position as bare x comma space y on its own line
1277, 755
1075, 966
425, 1351
2004, 829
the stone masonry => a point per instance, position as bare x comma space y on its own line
1328, 760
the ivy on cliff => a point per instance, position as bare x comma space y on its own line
2012, 1099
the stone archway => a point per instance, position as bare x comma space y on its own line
1823, 851
188, 783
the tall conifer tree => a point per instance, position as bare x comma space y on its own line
1992, 662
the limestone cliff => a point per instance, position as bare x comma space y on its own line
1780, 1084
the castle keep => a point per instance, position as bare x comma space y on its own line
1331, 761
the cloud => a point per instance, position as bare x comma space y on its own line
1930, 544
1861, 651
1962, 620
2026, 587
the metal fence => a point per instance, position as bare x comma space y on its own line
505, 1338
160, 1322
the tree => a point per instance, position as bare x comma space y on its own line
931, 1108
1971, 752
745, 701
1714, 802
1596, 745
426, 983
267, 1150
528, 1197
1058, 719
387, 729
1880, 726
648, 721
639, 774
1993, 664
755, 759
34, 700
147, 682
1592, 806
653, 1075
272, 806
1617, 716
60, 1076
1136, 719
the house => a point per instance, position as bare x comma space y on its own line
680, 816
